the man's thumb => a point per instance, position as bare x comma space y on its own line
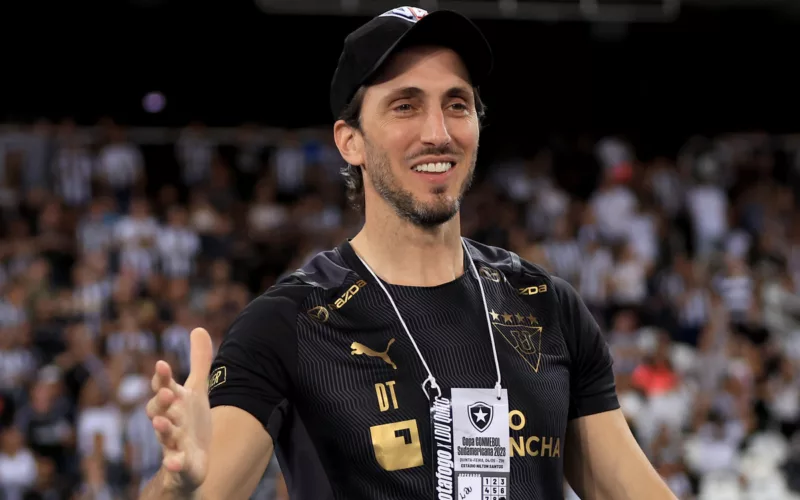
200, 359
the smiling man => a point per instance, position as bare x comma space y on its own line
408, 363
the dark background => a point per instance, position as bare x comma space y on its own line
710, 71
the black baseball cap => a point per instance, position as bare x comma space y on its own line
367, 48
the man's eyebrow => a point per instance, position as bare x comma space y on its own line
403, 93
460, 91
415, 92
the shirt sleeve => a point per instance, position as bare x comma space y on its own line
592, 387
255, 363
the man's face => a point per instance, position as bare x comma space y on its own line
420, 135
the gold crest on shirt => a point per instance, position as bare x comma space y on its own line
523, 333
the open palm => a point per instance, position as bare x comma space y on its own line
181, 416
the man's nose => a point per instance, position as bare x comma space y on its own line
434, 131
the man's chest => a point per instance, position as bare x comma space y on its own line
360, 372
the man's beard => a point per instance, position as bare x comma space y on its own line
424, 215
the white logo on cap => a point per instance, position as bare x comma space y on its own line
411, 14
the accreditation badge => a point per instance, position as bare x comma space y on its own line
471, 445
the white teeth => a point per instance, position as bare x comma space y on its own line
434, 167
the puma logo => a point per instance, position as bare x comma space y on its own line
358, 349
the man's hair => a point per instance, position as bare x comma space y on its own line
353, 176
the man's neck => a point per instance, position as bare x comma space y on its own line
401, 253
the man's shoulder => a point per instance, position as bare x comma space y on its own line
528, 277
324, 272
507, 262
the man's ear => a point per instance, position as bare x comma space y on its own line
350, 143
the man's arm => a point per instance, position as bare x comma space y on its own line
247, 388
603, 461
238, 456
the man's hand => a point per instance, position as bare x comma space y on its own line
181, 417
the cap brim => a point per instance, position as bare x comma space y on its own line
446, 29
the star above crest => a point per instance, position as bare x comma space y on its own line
509, 318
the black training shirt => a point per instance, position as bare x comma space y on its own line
322, 361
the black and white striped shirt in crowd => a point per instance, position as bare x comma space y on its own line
120, 165
135, 341
565, 258
147, 451
594, 273
15, 366
177, 248
737, 295
694, 310
91, 301
132, 234
72, 170
142, 261
175, 340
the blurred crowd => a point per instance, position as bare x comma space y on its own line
112, 250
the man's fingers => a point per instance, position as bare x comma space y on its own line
175, 413
174, 461
162, 377
160, 403
200, 360
166, 432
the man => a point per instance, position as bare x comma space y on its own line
406, 363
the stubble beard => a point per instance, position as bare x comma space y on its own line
424, 215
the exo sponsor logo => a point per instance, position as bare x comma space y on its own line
348, 294
533, 290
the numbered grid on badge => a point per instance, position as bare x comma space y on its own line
494, 488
